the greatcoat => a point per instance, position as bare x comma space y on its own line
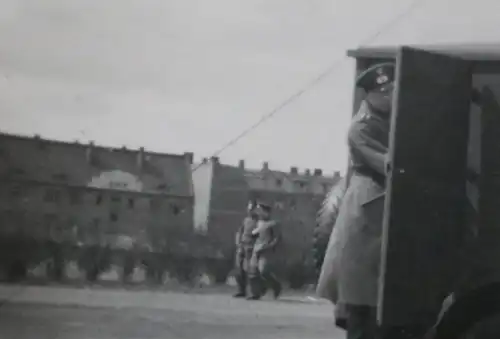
350, 271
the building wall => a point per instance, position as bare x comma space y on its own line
87, 194
202, 182
296, 198
229, 200
92, 216
90, 165
292, 182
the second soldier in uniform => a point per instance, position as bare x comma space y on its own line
268, 236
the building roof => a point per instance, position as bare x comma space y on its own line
272, 180
480, 52
53, 161
269, 180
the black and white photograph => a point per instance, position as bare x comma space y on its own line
249, 169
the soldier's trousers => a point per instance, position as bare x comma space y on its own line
241, 279
261, 276
243, 257
362, 324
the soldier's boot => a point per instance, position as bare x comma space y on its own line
275, 284
240, 294
241, 280
277, 290
269, 279
260, 290
255, 288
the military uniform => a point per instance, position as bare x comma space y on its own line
350, 271
245, 241
263, 258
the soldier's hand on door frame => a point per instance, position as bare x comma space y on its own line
387, 164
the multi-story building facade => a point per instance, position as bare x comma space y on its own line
222, 193
87, 195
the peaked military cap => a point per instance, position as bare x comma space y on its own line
376, 76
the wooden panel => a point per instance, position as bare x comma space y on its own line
489, 182
486, 268
424, 220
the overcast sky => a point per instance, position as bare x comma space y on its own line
188, 75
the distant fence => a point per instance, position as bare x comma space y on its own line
23, 257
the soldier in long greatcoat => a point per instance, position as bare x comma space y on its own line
350, 271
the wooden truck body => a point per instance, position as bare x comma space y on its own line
441, 225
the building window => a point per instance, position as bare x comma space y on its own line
326, 188
279, 182
163, 187
176, 210
113, 217
115, 199
293, 204
131, 203
52, 195
98, 199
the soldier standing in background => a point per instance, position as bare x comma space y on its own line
245, 241
261, 271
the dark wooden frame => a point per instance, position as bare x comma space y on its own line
484, 59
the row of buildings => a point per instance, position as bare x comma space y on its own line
222, 193
94, 195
